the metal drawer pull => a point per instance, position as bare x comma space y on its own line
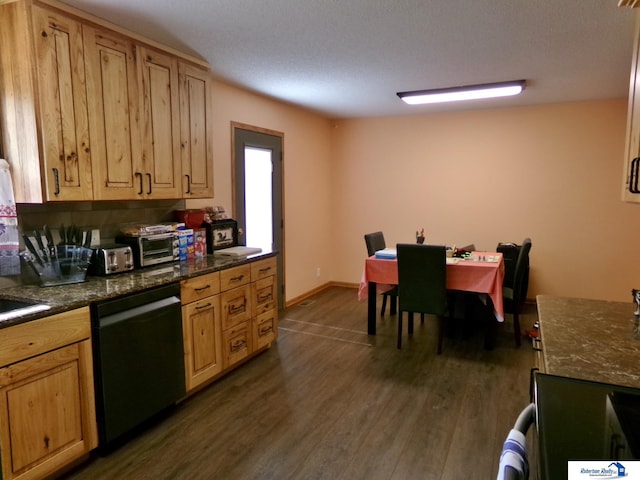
264, 298
200, 307
234, 309
239, 345
263, 270
237, 279
265, 331
199, 289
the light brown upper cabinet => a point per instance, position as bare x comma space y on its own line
90, 111
196, 145
112, 90
44, 104
631, 173
161, 124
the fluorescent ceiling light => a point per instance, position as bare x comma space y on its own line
469, 92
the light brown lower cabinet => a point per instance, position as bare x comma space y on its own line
227, 317
47, 407
201, 329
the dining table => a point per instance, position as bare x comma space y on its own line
482, 273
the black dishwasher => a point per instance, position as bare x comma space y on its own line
138, 359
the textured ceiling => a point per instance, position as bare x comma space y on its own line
348, 58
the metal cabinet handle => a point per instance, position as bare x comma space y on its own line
264, 270
202, 307
237, 279
139, 175
200, 289
188, 184
633, 176
149, 177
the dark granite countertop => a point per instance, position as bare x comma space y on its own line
68, 297
592, 340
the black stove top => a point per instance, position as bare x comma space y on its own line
582, 420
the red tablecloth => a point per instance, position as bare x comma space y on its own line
467, 275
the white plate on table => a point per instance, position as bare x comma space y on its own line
452, 260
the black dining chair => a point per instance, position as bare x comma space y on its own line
514, 294
422, 284
375, 241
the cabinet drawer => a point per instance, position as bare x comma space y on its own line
235, 277
263, 295
237, 343
263, 268
39, 336
235, 306
199, 287
265, 329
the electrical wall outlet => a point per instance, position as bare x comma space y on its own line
318, 272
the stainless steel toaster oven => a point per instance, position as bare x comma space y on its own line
152, 249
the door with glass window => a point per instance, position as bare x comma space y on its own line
258, 192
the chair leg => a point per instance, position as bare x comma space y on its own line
410, 321
400, 330
394, 302
384, 304
516, 327
440, 333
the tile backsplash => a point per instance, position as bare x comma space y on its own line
106, 216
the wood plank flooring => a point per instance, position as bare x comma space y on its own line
327, 401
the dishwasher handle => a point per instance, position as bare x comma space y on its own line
141, 312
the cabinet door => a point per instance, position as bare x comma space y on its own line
63, 106
160, 124
46, 403
202, 340
631, 182
113, 112
196, 132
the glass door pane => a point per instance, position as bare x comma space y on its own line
258, 187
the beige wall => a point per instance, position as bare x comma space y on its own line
307, 178
549, 172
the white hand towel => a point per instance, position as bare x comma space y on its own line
9, 236
513, 461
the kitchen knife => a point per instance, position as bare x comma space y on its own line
87, 239
32, 249
49, 237
44, 253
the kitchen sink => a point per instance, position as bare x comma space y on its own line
17, 308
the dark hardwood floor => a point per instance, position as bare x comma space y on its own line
327, 401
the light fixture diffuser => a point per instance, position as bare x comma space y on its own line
468, 92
